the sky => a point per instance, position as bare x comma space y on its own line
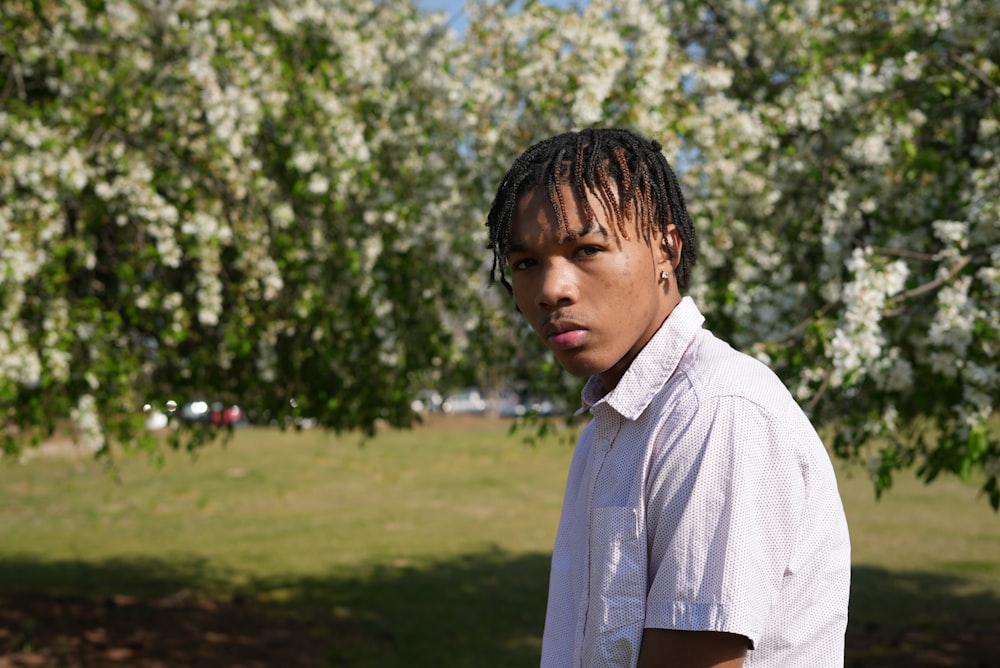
452, 6
456, 8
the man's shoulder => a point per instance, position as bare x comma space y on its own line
715, 369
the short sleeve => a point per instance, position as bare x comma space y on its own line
725, 498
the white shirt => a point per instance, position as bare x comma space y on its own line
699, 498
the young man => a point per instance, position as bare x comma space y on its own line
702, 525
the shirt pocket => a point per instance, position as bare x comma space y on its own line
618, 569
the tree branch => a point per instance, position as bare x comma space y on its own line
820, 391
936, 283
976, 72
788, 337
902, 252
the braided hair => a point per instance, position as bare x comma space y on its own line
628, 174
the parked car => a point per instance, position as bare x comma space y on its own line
222, 415
427, 401
155, 420
510, 405
468, 401
216, 413
546, 407
194, 411
534, 406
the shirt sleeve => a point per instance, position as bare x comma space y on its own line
724, 502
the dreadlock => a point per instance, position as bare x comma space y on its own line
602, 161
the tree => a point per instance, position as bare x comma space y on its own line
247, 201
841, 165
289, 198
868, 134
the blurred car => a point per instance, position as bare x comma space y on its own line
155, 420
216, 413
542, 407
194, 411
511, 405
546, 407
427, 401
222, 415
469, 402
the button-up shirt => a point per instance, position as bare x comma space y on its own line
699, 498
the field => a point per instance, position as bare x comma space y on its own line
419, 548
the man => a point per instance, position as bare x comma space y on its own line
702, 525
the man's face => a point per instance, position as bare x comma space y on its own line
593, 296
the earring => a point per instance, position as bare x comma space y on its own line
664, 275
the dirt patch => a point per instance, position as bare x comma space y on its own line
77, 632
946, 644
115, 632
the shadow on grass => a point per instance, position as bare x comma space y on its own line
921, 619
483, 609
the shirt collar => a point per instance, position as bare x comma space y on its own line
651, 368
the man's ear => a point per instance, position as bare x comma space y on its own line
670, 246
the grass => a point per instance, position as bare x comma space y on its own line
429, 547
273, 502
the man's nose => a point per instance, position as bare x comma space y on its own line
557, 285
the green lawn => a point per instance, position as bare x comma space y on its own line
429, 547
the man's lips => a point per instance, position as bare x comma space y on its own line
573, 338
564, 335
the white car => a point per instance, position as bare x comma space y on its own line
468, 401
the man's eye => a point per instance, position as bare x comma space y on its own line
587, 251
521, 264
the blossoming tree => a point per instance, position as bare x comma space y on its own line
284, 201
254, 203
841, 162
